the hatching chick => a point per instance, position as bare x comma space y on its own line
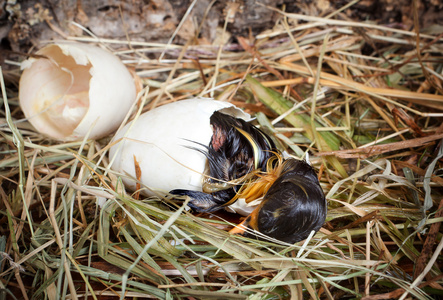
244, 163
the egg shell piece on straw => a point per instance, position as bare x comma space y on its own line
72, 89
163, 142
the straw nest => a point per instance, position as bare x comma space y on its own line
365, 101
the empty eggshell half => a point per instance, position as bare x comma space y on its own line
164, 142
72, 89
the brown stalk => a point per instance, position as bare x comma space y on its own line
381, 149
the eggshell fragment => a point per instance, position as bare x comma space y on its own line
164, 142
241, 207
74, 89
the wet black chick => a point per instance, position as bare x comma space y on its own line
244, 163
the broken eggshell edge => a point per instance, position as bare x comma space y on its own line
164, 142
71, 90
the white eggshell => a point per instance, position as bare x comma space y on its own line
241, 207
160, 140
75, 89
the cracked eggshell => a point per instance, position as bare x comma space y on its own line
161, 140
73, 89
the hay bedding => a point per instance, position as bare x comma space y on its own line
363, 98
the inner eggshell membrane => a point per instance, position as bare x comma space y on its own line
62, 98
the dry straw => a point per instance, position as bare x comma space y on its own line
371, 122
